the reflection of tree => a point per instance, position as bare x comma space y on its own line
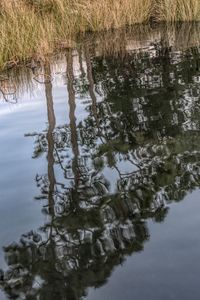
50, 141
136, 150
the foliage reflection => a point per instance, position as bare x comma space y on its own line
136, 150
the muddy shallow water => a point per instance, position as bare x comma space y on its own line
100, 170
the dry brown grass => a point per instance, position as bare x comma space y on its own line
178, 10
112, 43
36, 27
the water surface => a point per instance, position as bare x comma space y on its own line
100, 170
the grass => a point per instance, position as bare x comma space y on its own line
34, 28
111, 43
178, 10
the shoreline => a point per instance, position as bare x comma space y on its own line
116, 44
33, 29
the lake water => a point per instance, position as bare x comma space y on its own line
100, 169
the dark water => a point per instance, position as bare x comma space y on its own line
100, 170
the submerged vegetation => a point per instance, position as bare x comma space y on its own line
36, 27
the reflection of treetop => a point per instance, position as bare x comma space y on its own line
136, 150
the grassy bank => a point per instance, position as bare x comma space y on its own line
36, 27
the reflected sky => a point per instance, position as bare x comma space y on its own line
100, 160
168, 267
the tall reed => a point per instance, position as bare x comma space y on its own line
36, 27
178, 10
30, 27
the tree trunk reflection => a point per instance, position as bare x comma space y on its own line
72, 118
50, 140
